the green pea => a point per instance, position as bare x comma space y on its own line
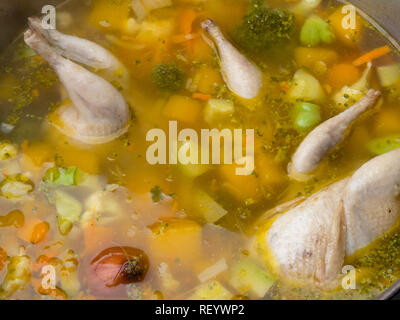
306, 116
383, 145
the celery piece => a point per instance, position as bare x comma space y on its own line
249, 278
306, 116
316, 31
210, 210
383, 145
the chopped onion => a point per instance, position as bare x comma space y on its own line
139, 10
213, 271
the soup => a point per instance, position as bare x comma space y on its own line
83, 220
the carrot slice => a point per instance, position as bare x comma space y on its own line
372, 55
3, 257
343, 74
39, 232
187, 19
201, 96
34, 231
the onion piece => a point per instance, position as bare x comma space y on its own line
213, 271
139, 10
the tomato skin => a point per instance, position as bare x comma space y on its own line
115, 266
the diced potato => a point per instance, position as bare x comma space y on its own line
210, 210
207, 80
175, 239
154, 31
309, 57
241, 186
306, 87
389, 75
212, 290
217, 110
183, 109
193, 169
305, 7
67, 206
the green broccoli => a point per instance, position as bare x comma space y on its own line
168, 77
316, 31
262, 27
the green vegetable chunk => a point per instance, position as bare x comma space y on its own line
61, 176
210, 210
69, 210
249, 278
306, 116
383, 145
168, 77
316, 31
262, 27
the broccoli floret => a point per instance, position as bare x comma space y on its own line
262, 27
168, 77
316, 31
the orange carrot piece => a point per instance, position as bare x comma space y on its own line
187, 19
56, 293
179, 38
34, 231
201, 96
343, 74
40, 232
372, 55
3, 257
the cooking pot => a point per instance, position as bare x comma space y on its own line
382, 13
